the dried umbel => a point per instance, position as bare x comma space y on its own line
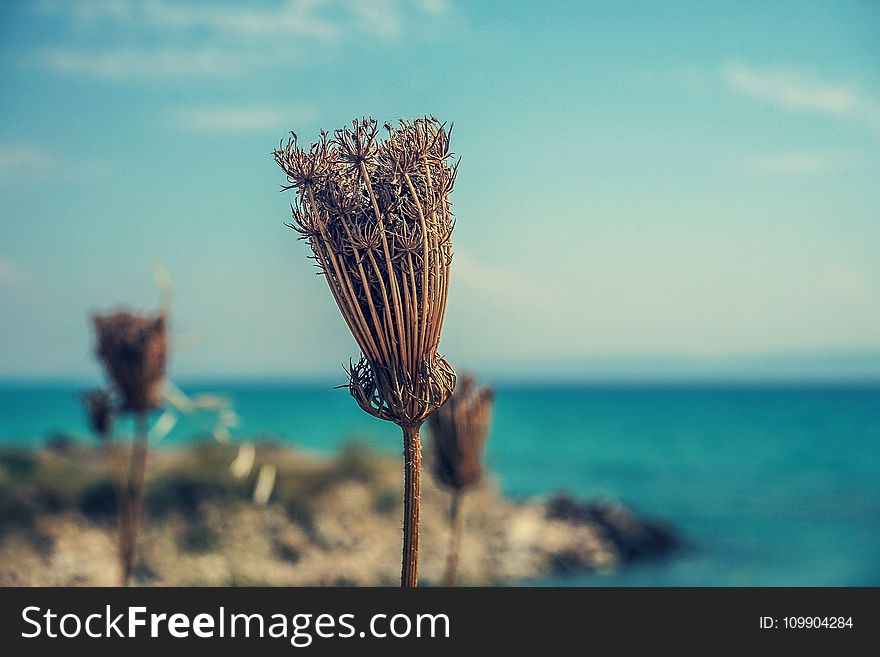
99, 412
377, 216
133, 349
459, 430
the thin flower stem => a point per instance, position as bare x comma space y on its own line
365, 284
455, 525
354, 317
123, 505
412, 455
389, 322
425, 269
414, 325
438, 288
395, 293
136, 474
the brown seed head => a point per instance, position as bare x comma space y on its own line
459, 430
133, 349
99, 410
378, 219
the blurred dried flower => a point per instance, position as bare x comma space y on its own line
459, 430
99, 410
133, 349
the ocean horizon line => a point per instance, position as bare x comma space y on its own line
504, 382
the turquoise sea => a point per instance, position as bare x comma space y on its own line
771, 485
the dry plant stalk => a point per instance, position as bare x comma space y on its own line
459, 430
378, 218
100, 410
133, 350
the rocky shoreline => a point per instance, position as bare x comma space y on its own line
329, 521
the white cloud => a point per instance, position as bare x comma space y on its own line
502, 285
159, 63
847, 283
292, 18
799, 91
16, 159
165, 39
800, 163
435, 7
238, 119
11, 273
790, 89
380, 18
21, 162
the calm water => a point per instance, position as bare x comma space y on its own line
772, 485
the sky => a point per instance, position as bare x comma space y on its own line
646, 190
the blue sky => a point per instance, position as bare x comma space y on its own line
645, 190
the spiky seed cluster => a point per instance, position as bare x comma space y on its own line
99, 411
378, 218
133, 349
459, 429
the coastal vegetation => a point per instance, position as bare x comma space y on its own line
330, 520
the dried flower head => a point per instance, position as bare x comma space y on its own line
99, 410
459, 429
133, 349
377, 216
